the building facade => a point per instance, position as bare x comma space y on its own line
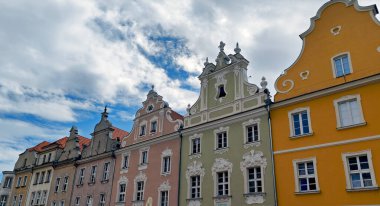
226, 155
325, 126
64, 169
95, 170
147, 165
6, 187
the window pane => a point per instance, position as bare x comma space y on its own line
346, 65
305, 123
310, 168
355, 180
296, 124
338, 67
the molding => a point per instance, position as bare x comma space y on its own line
347, 98
291, 126
295, 169
330, 144
194, 169
349, 63
245, 124
216, 132
335, 30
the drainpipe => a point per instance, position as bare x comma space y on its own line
268, 103
179, 166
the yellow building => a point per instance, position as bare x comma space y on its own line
325, 119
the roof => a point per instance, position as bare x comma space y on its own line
175, 115
60, 143
119, 133
39, 147
83, 141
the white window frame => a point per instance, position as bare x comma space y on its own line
141, 163
53, 203
38, 196
42, 177
164, 187
141, 177
25, 180
3, 200
102, 202
120, 193
62, 203
89, 200
48, 176
20, 197
19, 181
32, 198
167, 198
93, 174
191, 139
333, 63
123, 165
251, 123
197, 187
255, 180
143, 123
141, 192
337, 113
14, 200
166, 154
296, 176
223, 183
81, 176
44, 196
291, 125
370, 170
65, 183
106, 171
216, 133
77, 201
154, 119
57, 184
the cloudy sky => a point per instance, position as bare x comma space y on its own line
61, 61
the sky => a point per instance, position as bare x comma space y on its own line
62, 61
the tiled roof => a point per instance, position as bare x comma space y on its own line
83, 141
39, 147
175, 115
119, 133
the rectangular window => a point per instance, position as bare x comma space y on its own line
49, 158
221, 140
142, 130
62, 203
77, 201
53, 203
102, 200
44, 159
48, 175
359, 169
37, 177
42, 177
196, 145
25, 180
140, 191
255, 180
306, 176
20, 200
122, 191
349, 112
81, 176
166, 165
3, 200
89, 201
222, 186
19, 181
43, 197
342, 65
14, 200
164, 198
144, 157
252, 133
195, 187
8, 182
65, 183
32, 198
93, 174
106, 171
38, 196
300, 123
153, 126
125, 161
57, 183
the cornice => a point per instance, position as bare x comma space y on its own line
96, 157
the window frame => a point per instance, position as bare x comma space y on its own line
218, 131
142, 132
340, 55
349, 186
81, 176
89, 200
102, 199
93, 174
166, 200
348, 98
164, 166
3, 200
196, 187
153, 120
65, 183
261, 179
297, 176
106, 171
77, 201
123, 165
144, 160
57, 184
120, 193
291, 122
20, 198
140, 193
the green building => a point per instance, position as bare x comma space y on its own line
226, 154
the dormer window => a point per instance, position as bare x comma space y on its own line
221, 91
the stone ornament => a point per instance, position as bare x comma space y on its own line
252, 159
140, 177
195, 169
165, 186
285, 83
220, 165
305, 74
166, 152
335, 30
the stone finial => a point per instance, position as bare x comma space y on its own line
73, 131
206, 62
221, 46
237, 49
105, 113
152, 86
188, 109
263, 83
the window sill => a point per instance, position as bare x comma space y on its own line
91, 183
222, 197
80, 185
104, 181
221, 150
351, 126
308, 192
302, 135
165, 173
254, 194
194, 199
251, 144
362, 189
143, 166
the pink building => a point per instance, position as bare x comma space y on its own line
147, 165
95, 170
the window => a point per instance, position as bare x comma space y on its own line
36, 178
93, 174
196, 145
125, 161
65, 183
299, 120
348, 111
106, 171
140, 191
3, 200
341, 65
81, 176
150, 108
25, 180
221, 91
42, 177
77, 201
38, 196
255, 180
144, 157
222, 184
14, 200
306, 175
43, 197
8, 182
166, 165
164, 198
195, 187
252, 133
49, 157
48, 176
33, 196
53, 203
221, 139
89, 201
57, 183
62, 203
359, 170
122, 191
142, 130
102, 200
20, 200
19, 181
44, 159
153, 126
